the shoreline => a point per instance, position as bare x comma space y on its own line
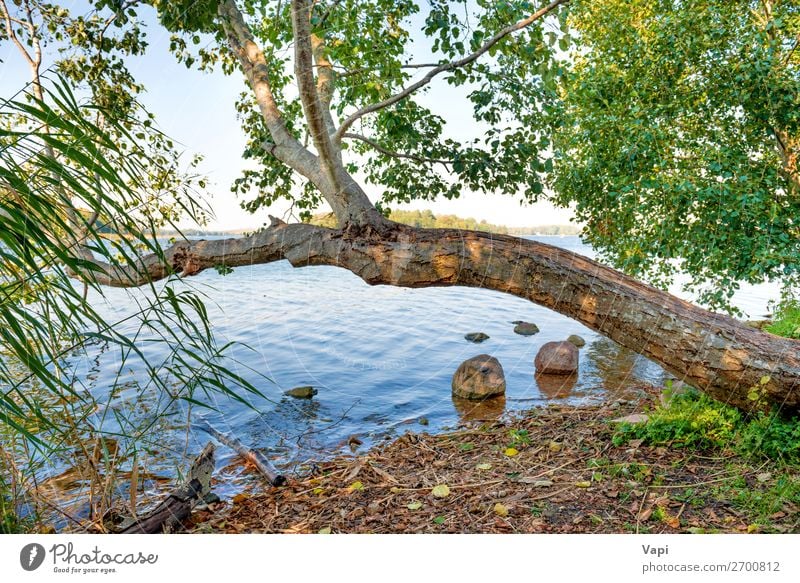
556, 469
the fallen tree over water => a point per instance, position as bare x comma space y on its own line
730, 361
736, 364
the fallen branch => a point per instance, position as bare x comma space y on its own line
177, 506
255, 457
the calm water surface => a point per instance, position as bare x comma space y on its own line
382, 359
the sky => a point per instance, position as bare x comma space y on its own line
197, 111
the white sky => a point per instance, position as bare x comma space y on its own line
197, 111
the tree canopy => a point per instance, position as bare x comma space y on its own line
679, 136
671, 127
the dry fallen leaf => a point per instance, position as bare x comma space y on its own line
441, 491
414, 505
483, 467
673, 521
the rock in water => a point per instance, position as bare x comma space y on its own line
577, 340
476, 337
557, 358
479, 377
526, 328
301, 392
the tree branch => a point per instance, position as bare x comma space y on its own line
369, 69
13, 35
447, 67
313, 108
347, 199
286, 147
326, 85
393, 154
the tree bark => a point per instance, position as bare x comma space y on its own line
730, 361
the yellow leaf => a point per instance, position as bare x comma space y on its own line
555, 446
483, 467
583, 484
356, 486
326, 530
318, 491
511, 452
441, 491
500, 510
673, 521
414, 506
394, 490
752, 528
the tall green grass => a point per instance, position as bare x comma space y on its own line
55, 159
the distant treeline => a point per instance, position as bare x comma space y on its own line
546, 230
427, 219
423, 218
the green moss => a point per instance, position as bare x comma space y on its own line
787, 320
693, 419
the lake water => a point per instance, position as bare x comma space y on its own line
381, 358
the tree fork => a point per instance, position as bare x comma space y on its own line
732, 362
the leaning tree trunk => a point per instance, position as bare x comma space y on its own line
730, 361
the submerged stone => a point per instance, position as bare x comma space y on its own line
479, 377
476, 337
577, 340
558, 358
305, 392
526, 328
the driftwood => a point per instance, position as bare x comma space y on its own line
255, 457
177, 506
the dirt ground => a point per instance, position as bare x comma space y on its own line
550, 470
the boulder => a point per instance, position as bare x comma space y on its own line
525, 328
559, 358
577, 340
479, 377
305, 392
476, 337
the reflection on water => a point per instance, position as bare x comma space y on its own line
485, 410
554, 386
381, 357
